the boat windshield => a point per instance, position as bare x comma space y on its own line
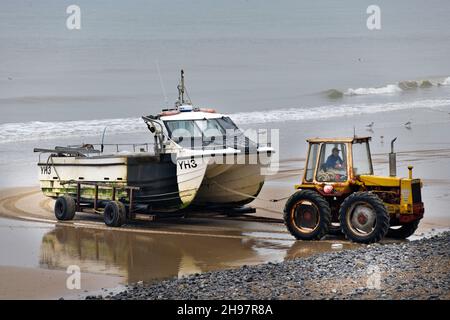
200, 128
206, 133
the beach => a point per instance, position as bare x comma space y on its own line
289, 69
179, 244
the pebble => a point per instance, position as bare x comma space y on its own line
424, 261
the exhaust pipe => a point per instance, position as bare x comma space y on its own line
393, 160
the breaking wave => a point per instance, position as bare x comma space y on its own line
333, 111
37, 130
388, 89
446, 82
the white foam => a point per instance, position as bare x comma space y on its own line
446, 82
389, 89
37, 130
332, 111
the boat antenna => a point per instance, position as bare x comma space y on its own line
103, 138
181, 88
166, 101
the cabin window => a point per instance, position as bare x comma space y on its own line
227, 123
183, 128
210, 128
207, 133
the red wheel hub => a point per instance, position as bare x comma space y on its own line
307, 216
362, 219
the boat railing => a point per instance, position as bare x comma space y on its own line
87, 150
118, 147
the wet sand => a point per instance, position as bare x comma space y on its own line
139, 251
35, 283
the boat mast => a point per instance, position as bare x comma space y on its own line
181, 89
181, 92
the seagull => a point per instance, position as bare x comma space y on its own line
408, 125
370, 125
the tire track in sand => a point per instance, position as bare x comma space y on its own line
8, 205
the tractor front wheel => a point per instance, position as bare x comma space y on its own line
307, 215
364, 217
403, 231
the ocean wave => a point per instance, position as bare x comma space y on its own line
387, 89
446, 82
390, 88
37, 130
333, 111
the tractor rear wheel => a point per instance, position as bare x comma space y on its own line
364, 217
403, 231
114, 214
307, 215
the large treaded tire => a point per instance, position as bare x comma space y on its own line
114, 214
382, 217
65, 208
404, 231
324, 212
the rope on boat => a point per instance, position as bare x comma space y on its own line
54, 168
248, 195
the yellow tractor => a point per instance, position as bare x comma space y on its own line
339, 193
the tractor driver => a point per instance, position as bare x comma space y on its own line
334, 161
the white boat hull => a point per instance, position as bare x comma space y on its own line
169, 181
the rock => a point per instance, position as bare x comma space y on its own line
319, 276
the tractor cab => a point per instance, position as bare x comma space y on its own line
337, 161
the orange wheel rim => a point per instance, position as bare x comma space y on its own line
305, 216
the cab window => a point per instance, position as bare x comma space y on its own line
332, 163
362, 164
312, 159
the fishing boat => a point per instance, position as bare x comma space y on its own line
196, 156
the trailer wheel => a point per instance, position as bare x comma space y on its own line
404, 231
65, 208
114, 214
307, 215
364, 217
